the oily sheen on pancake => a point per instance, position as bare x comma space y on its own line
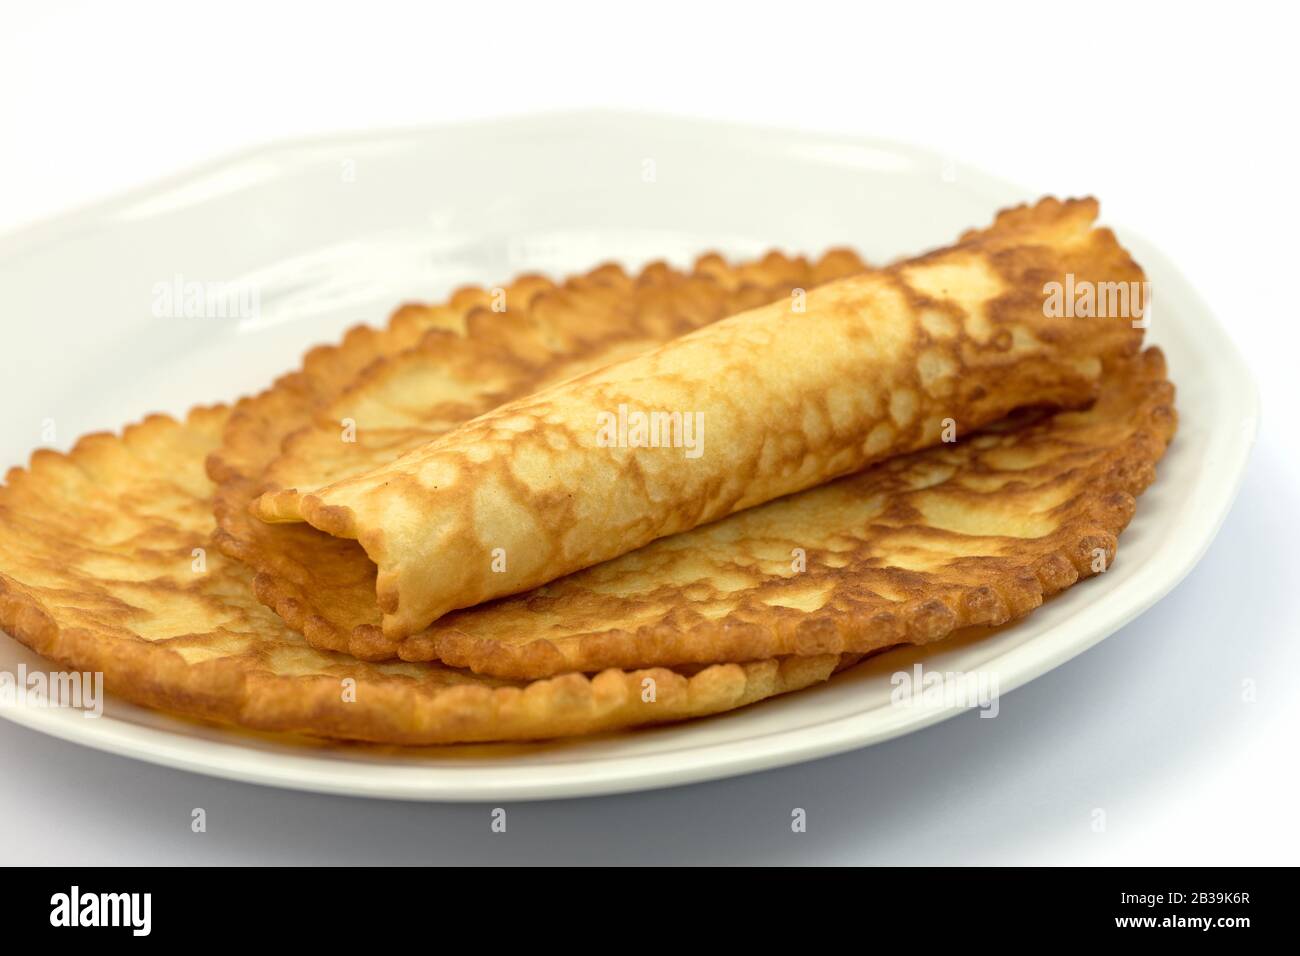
872, 366
104, 566
467, 360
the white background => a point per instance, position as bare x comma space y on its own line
1182, 122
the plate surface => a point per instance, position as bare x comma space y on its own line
333, 232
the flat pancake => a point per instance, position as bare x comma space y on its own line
104, 567
793, 394
467, 360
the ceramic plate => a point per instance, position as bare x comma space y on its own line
332, 232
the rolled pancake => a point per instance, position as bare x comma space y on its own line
784, 397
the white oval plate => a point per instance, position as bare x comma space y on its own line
337, 231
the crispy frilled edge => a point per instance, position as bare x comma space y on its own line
435, 706
397, 711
